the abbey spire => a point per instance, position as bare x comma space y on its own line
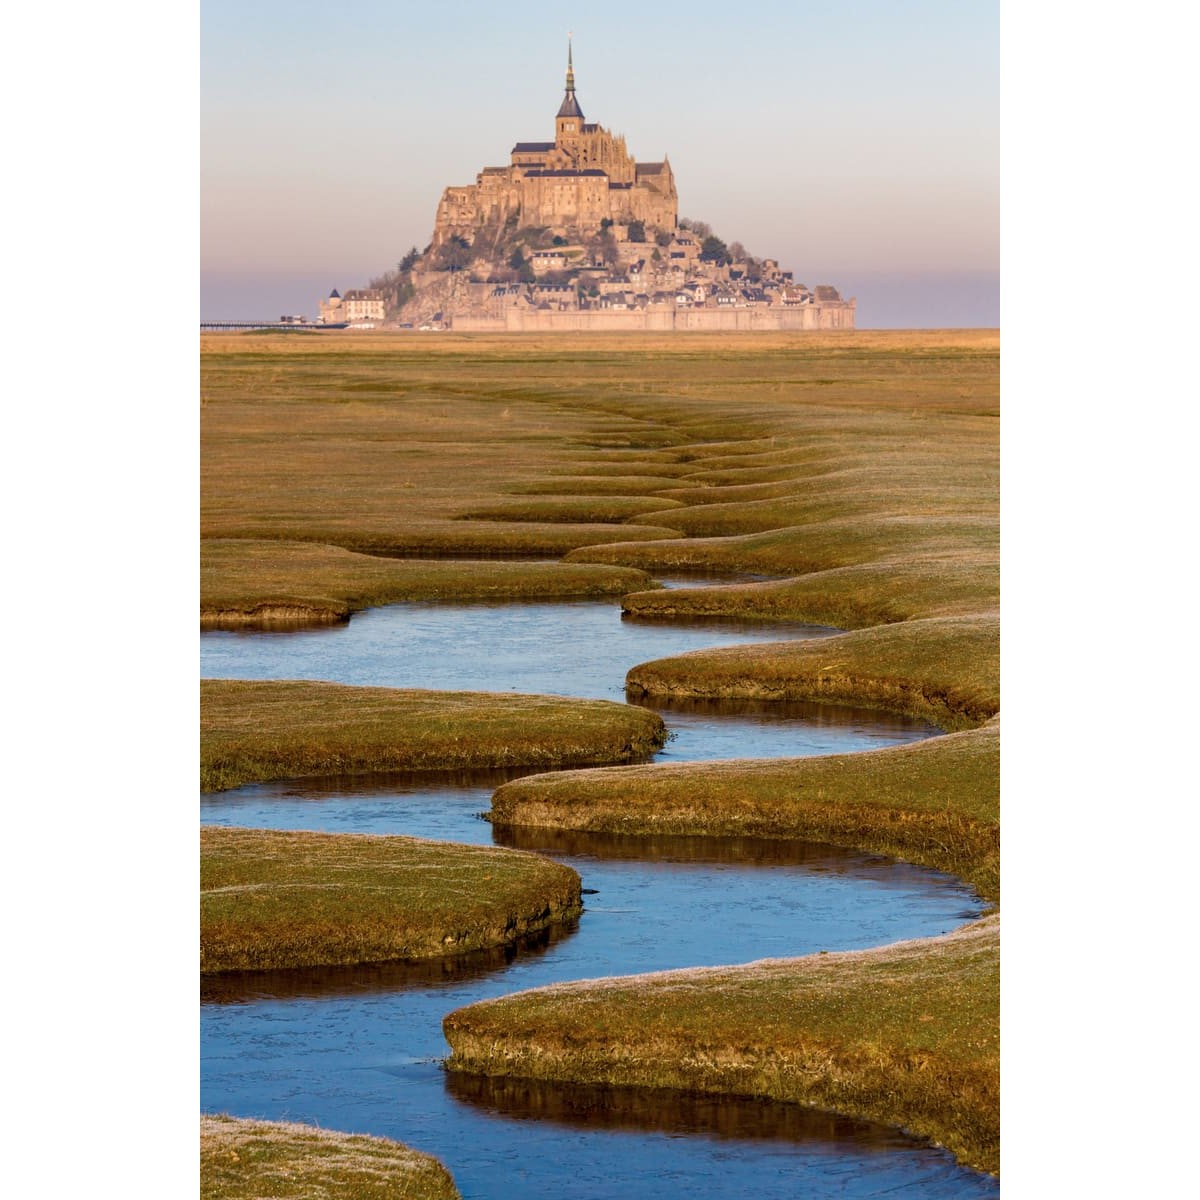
570, 106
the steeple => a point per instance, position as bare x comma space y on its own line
570, 106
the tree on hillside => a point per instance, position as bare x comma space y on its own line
637, 231
714, 251
737, 252
603, 249
702, 229
410, 259
454, 254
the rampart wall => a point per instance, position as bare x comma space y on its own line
807, 316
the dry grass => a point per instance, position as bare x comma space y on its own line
380, 442
266, 582
861, 467
257, 1160
907, 1029
799, 549
279, 729
272, 899
935, 803
876, 593
945, 670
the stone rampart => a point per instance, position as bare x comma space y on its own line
806, 316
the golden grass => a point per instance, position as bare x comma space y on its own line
565, 509
273, 899
877, 593
276, 1160
251, 731
945, 670
265, 582
862, 468
820, 546
906, 1029
935, 802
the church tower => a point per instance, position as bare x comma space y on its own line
568, 125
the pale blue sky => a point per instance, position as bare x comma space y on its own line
858, 142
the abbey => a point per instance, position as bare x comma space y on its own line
576, 234
584, 178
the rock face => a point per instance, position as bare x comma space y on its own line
575, 233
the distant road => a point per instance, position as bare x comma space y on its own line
266, 325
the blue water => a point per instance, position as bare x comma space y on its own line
360, 1049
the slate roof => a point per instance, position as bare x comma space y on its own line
570, 106
532, 147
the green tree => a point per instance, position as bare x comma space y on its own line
714, 250
409, 260
454, 254
637, 231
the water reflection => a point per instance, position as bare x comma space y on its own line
663, 1109
249, 987
743, 851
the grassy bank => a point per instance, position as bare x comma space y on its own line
252, 731
945, 670
264, 582
256, 1160
907, 1029
272, 899
935, 803
799, 549
878, 593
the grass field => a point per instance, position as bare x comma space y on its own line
273, 1160
252, 731
860, 470
906, 1029
266, 583
934, 802
272, 899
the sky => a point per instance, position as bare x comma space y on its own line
856, 142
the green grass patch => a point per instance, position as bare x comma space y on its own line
276, 1160
905, 1034
935, 803
252, 731
265, 582
944, 670
272, 899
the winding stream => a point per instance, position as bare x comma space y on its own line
359, 1049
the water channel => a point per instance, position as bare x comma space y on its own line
360, 1049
